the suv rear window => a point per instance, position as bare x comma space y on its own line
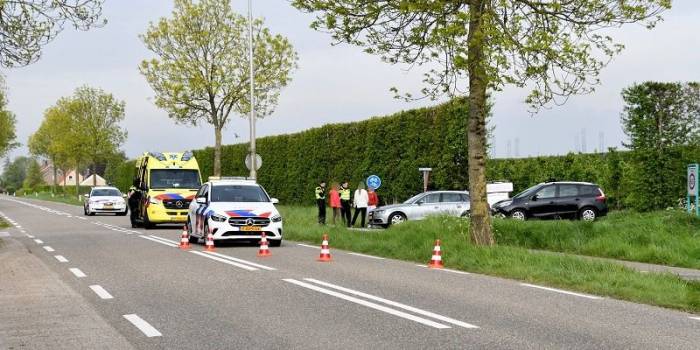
586, 190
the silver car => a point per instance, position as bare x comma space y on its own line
453, 203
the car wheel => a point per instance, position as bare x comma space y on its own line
147, 224
588, 214
518, 214
466, 214
397, 218
275, 242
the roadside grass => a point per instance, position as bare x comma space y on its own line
4, 223
60, 198
413, 241
670, 237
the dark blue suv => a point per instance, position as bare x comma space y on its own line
580, 200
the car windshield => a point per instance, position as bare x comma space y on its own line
413, 199
238, 193
105, 192
174, 178
527, 192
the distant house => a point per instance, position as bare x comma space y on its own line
69, 179
47, 173
89, 181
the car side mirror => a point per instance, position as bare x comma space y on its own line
87, 195
201, 200
123, 195
274, 200
534, 198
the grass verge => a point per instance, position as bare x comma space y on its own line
60, 198
413, 241
669, 237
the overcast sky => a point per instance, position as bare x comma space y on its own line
339, 83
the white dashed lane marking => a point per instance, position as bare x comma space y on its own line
695, 318
38, 241
48, 249
76, 271
60, 258
562, 291
143, 326
101, 292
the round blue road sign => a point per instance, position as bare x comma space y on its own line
374, 181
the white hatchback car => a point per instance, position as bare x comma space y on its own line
105, 199
234, 209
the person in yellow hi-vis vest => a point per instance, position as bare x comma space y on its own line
321, 202
345, 203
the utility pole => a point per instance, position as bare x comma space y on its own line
253, 153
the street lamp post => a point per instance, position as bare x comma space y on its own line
253, 158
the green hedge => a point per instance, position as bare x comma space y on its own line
392, 147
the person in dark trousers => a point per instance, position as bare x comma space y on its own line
345, 203
321, 202
360, 201
133, 200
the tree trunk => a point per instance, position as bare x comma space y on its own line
217, 151
480, 227
55, 176
77, 182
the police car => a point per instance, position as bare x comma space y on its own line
234, 209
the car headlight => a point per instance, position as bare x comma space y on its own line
277, 218
218, 218
154, 200
505, 204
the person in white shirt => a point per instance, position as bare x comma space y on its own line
360, 202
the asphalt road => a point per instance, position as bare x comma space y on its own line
160, 297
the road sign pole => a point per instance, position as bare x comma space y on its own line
693, 190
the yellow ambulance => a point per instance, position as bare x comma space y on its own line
164, 185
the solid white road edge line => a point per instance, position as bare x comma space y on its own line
48, 249
368, 304
245, 267
76, 271
242, 261
60, 258
695, 318
307, 246
38, 241
101, 292
142, 325
447, 270
368, 256
395, 304
562, 291
158, 241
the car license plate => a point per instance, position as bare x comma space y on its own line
108, 205
250, 228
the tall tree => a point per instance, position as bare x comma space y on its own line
49, 140
555, 48
659, 118
27, 25
7, 127
97, 115
34, 179
201, 73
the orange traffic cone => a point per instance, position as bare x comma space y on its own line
185, 239
436, 260
209, 242
325, 251
264, 249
